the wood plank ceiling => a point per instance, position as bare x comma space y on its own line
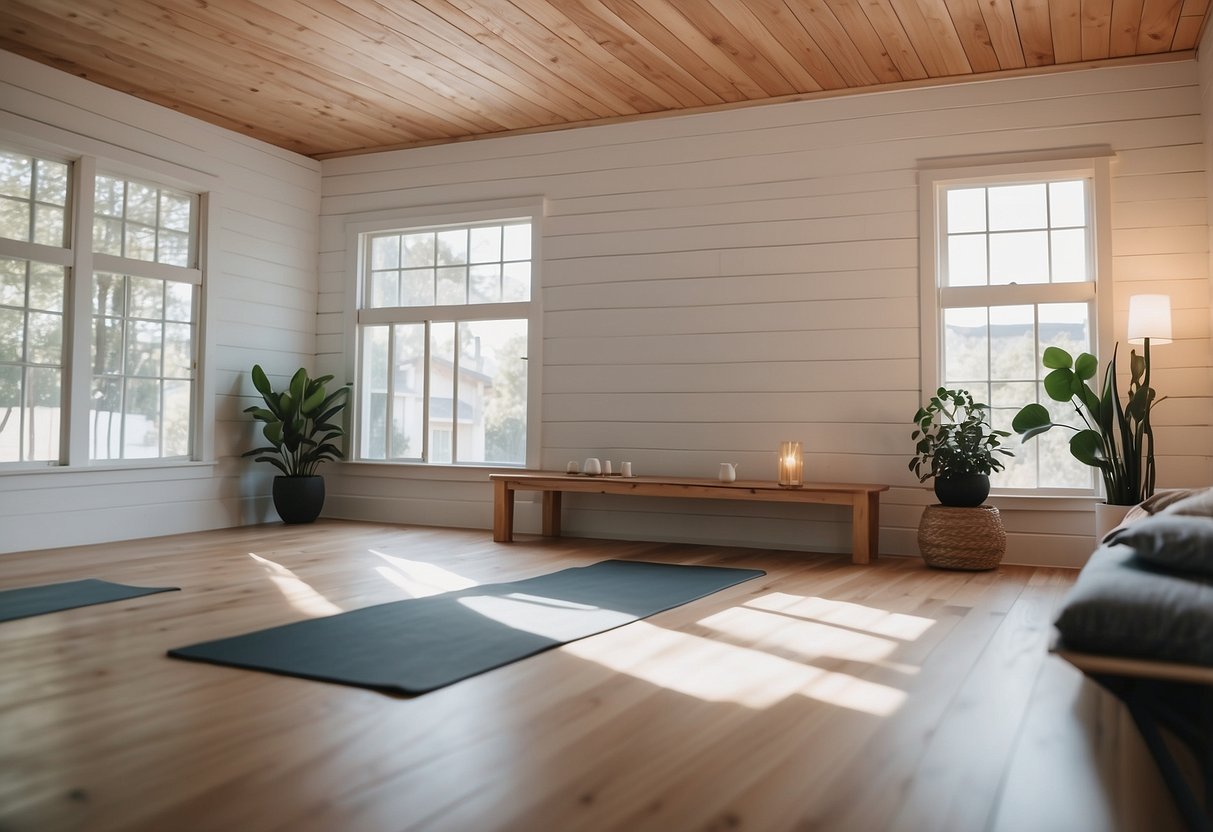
328, 77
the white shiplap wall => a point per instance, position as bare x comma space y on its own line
718, 282
262, 308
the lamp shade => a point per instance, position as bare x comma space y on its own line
1150, 317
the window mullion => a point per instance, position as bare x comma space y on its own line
458, 359
425, 397
79, 323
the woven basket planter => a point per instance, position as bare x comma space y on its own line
962, 538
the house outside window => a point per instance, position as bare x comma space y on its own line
118, 382
445, 331
1012, 259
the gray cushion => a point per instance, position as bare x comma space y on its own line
1170, 541
1199, 504
1121, 607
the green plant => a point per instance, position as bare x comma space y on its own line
1116, 439
298, 422
954, 437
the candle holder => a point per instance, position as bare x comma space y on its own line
791, 465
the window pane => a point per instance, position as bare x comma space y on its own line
178, 302
485, 244
485, 284
141, 203
418, 249
966, 343
48, 225
178, 351
516, 282
45, 338
107, 236
1012, 343
143, 348
177, 398
1068, 203
42, 411
52, 182
45, 287
408, 391
493, 392
452, 247
107, 346
12, 335
12, 281
14, 219
176, 212
966, 210
417, 287
516, 242
453, 285
442, 388
1019, 257
16, 172
141, 419
385, 289
108, 196
372, 407
1018, 206
10, 411
146, 298
105, 419
174, 248
109, 294
385, 252
967, 260
140, 242
1069, 255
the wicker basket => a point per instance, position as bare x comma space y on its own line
962, 538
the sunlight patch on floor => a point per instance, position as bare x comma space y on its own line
718, 672
846, 614
809, 639
548, 617
296, 590
419, 578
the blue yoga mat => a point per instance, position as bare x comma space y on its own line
38, 600
421, 644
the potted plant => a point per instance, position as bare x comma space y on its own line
957, 446
299, 424
1116, 438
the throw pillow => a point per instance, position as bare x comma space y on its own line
1199, 504
1171, 542
1164, 498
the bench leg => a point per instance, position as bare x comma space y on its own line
551, 513
865, 528
503, 512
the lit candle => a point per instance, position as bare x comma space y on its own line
791, 465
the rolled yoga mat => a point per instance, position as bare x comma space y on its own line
421, 644
37, 600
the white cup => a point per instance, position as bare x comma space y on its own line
626, 469
606, 467
572, 467
592, 467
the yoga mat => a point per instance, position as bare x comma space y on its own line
38, 600
421, 644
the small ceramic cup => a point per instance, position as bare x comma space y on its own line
592, 467
572, 467
626, 469
606, 467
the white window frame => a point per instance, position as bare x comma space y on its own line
934, 179
81, 261
359, 227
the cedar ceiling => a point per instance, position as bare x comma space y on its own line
325, 77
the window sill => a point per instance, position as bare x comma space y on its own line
1044, 502
125, 470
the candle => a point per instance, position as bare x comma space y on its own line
791, 464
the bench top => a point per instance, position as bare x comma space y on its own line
649, 485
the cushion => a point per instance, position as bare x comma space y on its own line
1160, 500
1121, 607
1170, 541
1198, 504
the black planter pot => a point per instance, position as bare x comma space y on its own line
962, 490
299, 499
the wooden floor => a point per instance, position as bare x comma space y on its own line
823, 696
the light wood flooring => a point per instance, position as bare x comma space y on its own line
824, 696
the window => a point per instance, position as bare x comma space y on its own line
136, 398
1013, 260
445, 329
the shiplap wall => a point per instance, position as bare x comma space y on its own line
1205, 65
718, 282
262, 307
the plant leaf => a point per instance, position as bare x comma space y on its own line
1086, 366
1087, 448
261, 382
1032, 417
1055, 358
1059, 384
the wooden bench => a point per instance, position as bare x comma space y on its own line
863, 498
